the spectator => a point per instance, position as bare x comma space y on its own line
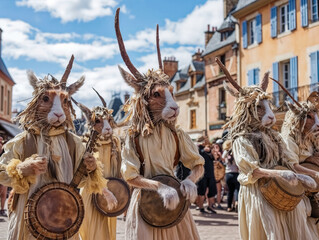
217, 156
208, 181
231, 177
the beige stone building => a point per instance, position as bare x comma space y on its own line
189, 90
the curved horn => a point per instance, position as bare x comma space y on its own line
230, 79
158, 49
102, 99
288, 93
124, 55
67, 72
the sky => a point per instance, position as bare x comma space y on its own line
41, 35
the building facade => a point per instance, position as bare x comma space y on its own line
280, 37
190, 94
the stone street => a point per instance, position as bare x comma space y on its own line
222, 225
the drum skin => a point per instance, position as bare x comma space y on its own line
314, 168
281, 194
55, 211
219, 171
121, 191
152, 209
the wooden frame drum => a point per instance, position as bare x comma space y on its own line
54, 212
152, 209
121, 191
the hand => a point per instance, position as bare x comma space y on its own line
34, 165
189, 190
89, 161
110, 199
307, 182
169, 195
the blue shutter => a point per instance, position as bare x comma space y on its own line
294, 77
250, 77
304, 12
292, 14
275, 75
273, 22
258, 28
314, 67
256, 76
244, 30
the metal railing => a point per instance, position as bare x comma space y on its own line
299, 93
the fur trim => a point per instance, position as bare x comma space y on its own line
19, 183
95, 181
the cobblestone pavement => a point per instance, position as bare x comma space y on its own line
222, 225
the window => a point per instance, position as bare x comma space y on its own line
2, 98
8, 103
253, 76
284, 18
224, 36
193, 119
286, 74
251, 31
222, 104
314, 10
223, 60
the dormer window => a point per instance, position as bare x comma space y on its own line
224, 36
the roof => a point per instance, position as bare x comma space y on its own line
182, 76
11, 128
243, 3
115, 103
215, 42
4, 69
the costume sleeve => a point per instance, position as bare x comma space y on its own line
190, 156
246, 159
130, 167
12, 156
293, 150
94, 182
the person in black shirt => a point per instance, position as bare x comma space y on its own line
208, 181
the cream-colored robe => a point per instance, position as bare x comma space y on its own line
158, 150
302, 154
257, 218
96, 226
14, 151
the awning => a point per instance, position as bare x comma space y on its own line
10, 128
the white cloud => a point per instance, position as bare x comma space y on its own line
70, 10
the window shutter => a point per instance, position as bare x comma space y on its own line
250, 77
256, 76
294, 76
275, 75
304, 12
273, 21
244, 31
259, 28
314, 67
292, 14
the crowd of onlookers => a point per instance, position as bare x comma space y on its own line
220, 176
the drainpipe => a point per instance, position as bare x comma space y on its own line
205, 90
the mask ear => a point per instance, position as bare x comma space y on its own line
313, 98
87, 112
230, 90
293, 108
32, 79
264, 83
74, 87
130, 80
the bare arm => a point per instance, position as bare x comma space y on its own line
141, 182
303, 170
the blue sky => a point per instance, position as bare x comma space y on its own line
41, 35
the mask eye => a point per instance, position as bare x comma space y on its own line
309, 116
65, 100
156, 94
46, 99
97, 121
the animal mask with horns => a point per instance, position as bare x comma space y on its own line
153, 101
51, 104
253, 109
99, 118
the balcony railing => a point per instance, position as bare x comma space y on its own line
299, 93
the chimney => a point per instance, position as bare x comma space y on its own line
197, 56
228, 6
170, 66
209, 34
126, 97
0, 41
